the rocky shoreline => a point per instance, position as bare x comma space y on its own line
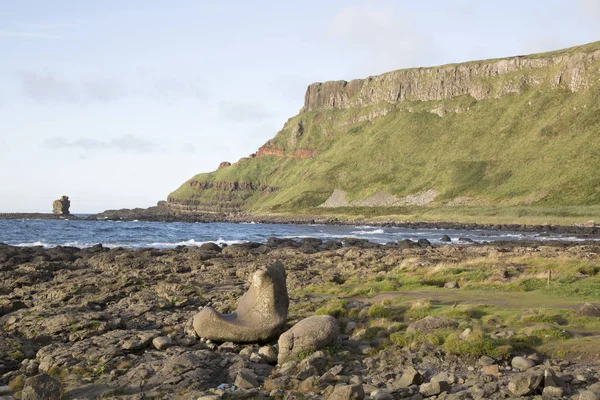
117, 323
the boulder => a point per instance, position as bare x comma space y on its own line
589, 310
410, 376
445, 238
61, 206
430, 324
523, 384
588, 395
41, 387
347, 392
161, 342
310, 334
260, 315
522, 363
434, 388
452, 285
210, 246
224, 164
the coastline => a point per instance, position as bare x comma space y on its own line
152, 215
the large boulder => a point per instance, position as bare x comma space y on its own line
61, 206
589, 310
42, 387
310, 334
260, 315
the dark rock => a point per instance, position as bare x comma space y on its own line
445, 238
589, 310
209, 246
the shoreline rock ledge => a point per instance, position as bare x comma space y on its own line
261, 313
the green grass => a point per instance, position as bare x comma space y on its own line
531, 157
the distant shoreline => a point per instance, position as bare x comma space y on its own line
143, 215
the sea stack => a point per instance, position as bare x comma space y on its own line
61, 206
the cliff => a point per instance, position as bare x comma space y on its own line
523, 130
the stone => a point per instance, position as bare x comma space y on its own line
452, 285
588, 395
550, 378
522, 363
260, 315
589, 310
61, 206
347, 392
246, 379
161, 342
595, 387
380, 394
445, 238
268, 354
430, 324
42, 387
552, 392
486, 360
210, 246
493, 370
523, 384
224, 164
464, 335
410, 376
434, 388
310, 334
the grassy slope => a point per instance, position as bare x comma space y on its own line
541, 147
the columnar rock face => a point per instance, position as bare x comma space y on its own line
61, 206
260, 315
445, 135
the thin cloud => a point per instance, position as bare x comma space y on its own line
188, 148
127, 143
389, 42
27, 35
242, 111
46, 88
170, 90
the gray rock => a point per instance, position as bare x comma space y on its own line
310, 334
429, 324
552, 392
246, 379
588, 395
434, 388
410, 376
595, 387
41, 387
347, 392
589, 310
523, 384
522, 363
210, 246
268, 354
445, 238
452, 285
260, 315
161, 342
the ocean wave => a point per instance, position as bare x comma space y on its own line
375, 232
36, 243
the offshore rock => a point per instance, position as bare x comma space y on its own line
61, 206
260, 315
310, 334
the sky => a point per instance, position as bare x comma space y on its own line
117, 103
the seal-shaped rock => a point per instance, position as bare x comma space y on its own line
310, 334
260, 315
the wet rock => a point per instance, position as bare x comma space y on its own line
260, 315
347, 392
42, 387
445, 238
522, 363
430, 324
209, 246
310, 334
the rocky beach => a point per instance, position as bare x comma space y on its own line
413, 320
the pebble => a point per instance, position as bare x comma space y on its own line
522, 363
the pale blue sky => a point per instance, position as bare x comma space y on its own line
116, 103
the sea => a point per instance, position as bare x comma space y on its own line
138, 234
